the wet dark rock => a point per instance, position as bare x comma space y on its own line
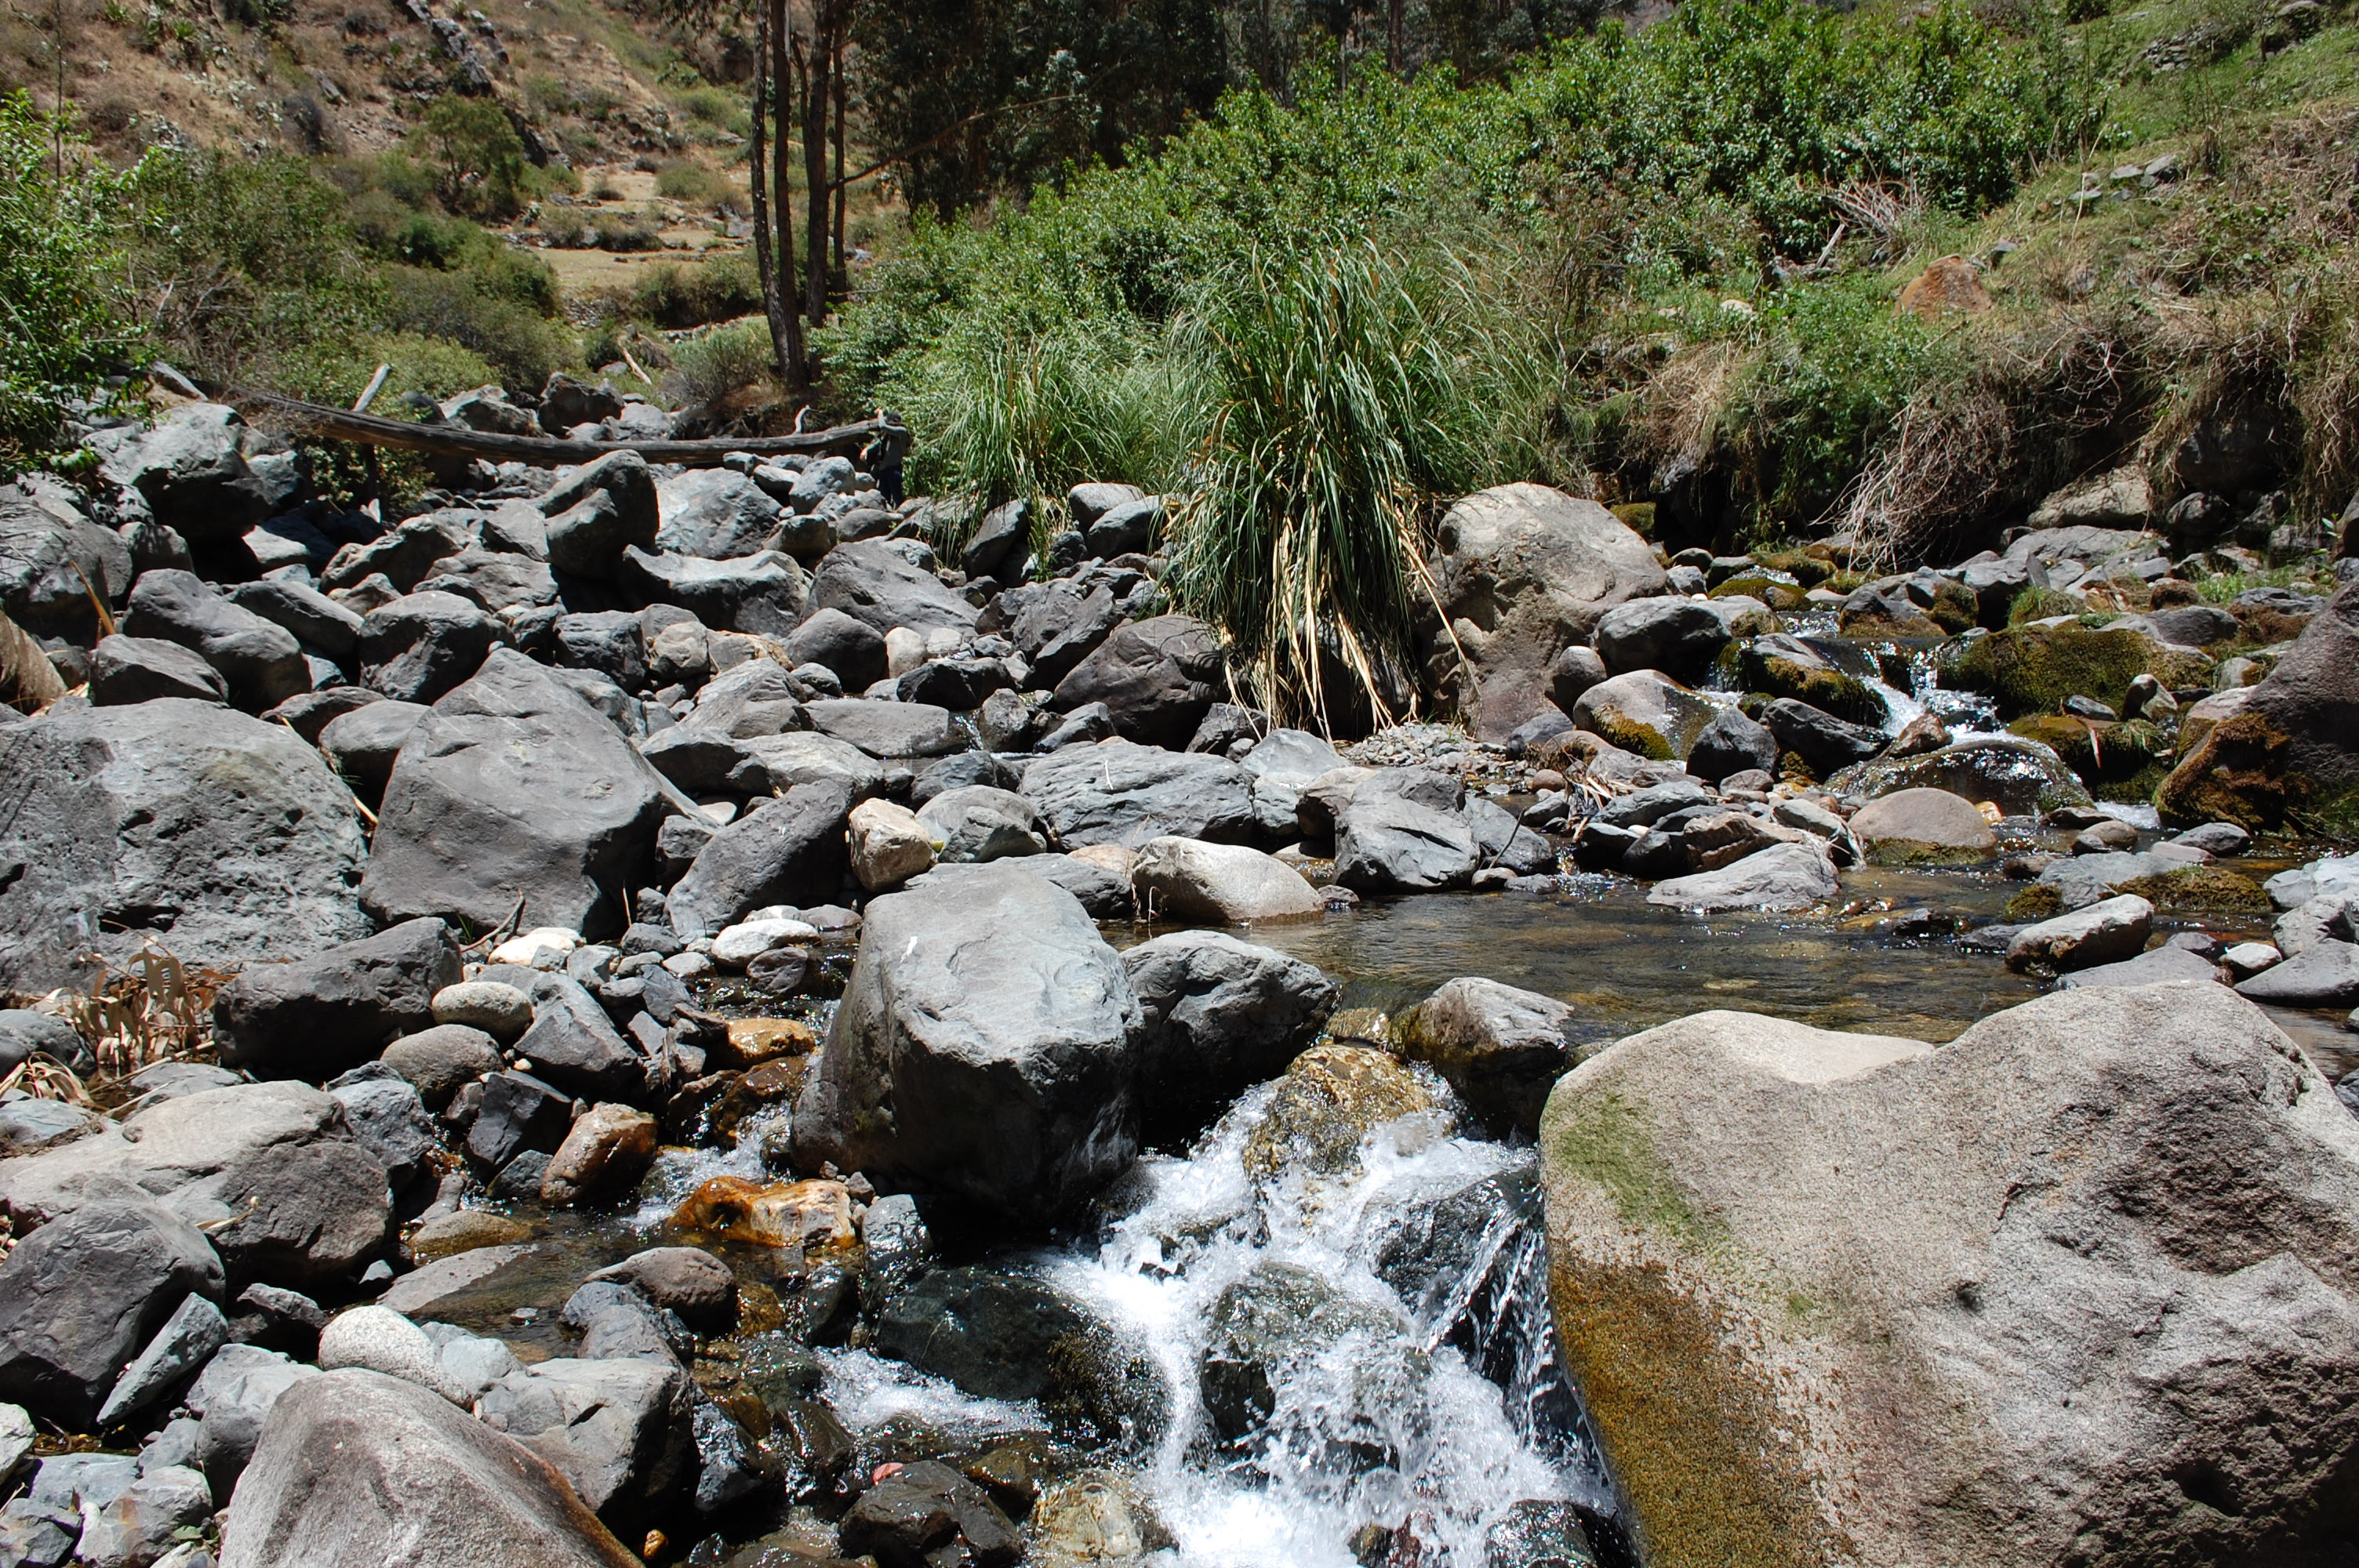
1678, 636
319, 1016
1007, 1336
684, 1280
926, 1514
514, 785
575, 1047
1221, 1015
986, 1011
82, 1294
225, 837
1501, 1048
1280, 1317
1827, 743
895, 1249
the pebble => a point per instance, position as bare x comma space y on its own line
749, 939
498, 1010
543, 948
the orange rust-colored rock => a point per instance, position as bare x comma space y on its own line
793, 1215
758, 1040
1946, 286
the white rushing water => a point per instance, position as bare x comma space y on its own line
1461, 1449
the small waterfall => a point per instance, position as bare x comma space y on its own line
1436, 1410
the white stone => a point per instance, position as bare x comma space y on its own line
378, 1339
889, 845
749, 939
2246, 959
543, 948
904, 650
690, 965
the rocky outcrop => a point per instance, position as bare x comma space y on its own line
984, 1048
1844, 1297
1523, 572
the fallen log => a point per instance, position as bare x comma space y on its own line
458, 441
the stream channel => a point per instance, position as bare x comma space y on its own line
1427, 1422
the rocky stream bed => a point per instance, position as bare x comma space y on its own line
734, 1041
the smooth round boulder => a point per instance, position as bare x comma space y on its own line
438, 1062
1229, 884
1923, 827
498, 1008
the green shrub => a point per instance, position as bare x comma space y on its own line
720, 289
479, 159
565, 229
469, 308
65, 316
721, 364
696, 185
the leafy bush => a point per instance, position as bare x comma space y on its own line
65, 318
479, 159
696, 185
474, 310
724, 363
720, 289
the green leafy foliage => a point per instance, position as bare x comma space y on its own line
65, 320
479, 160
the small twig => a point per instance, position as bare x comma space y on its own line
105, 616
499, 932
634, 364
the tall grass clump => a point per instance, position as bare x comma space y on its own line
1339, 391
1012, 416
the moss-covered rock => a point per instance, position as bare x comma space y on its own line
1646, 712
2200, 890
1772, 589
1814, 1318
1328, 1101
2032, 669
2038, 902
1829, 677
2118, 760
2236, 774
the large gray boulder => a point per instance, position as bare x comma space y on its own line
1117, 792
365, 742
320, 1016
214, 835
716, 514
877, 586
1645, 712
976, 823
263, 663
2312, 694
1781, 878
852, 649
788, 850
985, 1047
422, 645
141, 669
762, 593
1894, 1302
1156, 676
49, 547
492, 581
191, 469
1523, 572
1221, 1015
888, 728
1403, 830
1678, 636
81, 1295
514, 785
356, 1470
1284, 764
617, 1430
